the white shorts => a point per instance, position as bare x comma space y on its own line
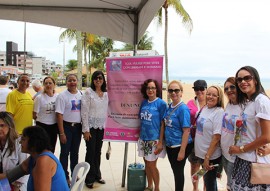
146, 149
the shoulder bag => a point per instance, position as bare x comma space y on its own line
193, 125
260, 172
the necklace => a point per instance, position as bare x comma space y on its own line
99, 93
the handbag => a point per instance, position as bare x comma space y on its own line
108, 153
193, 125
260, 172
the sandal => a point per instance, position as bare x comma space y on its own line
148, 189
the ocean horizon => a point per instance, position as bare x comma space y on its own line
214, 80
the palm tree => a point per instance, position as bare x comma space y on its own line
79, 57
74, 35
145, 43
186, 20
72, 64
100, 49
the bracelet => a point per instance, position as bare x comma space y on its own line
60, 134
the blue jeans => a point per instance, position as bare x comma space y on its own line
73, 135
210, 178
228, 167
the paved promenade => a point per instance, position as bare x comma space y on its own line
112, 169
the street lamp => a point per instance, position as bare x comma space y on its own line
24, 49
64, 57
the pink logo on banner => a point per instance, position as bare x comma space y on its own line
124, 78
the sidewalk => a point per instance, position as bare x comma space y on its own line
112, 169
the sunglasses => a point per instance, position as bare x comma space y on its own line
151, 88
174, 90
231, 87
199, 89
247, 78
2, 125
10, 87
98, 78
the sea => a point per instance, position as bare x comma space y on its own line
215, 80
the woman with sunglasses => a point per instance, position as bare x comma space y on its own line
68, 117
44, 110
150, 143
177, 138
20, 104
10, 149
208, 135
94, 113
229, 126
195, 105
254, 128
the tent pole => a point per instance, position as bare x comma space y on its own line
134, 53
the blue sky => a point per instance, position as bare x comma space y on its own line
227, 34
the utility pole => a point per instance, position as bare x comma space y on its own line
24, 49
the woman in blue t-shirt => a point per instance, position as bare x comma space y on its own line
46, 172
178, 140
150, 144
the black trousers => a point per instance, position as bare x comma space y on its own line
178, 166
52, 131
93, 154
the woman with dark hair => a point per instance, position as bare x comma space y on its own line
150, 143
10, 149
46, 172
20, 104
229, 122
94, 113
208, 134
195, 105
178, 141
68, 116
44, 110
254, 131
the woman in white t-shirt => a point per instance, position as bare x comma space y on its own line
208, 135
253, 129
229, 122
68, 116
44, 110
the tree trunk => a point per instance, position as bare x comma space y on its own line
79, 58
85, 60
166, 51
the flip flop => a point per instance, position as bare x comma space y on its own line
148, 189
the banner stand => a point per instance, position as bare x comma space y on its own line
125, 165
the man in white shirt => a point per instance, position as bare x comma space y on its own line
4, 91
37, 86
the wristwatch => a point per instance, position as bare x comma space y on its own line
242, 148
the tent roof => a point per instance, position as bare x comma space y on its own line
122, 20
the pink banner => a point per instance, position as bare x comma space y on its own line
124, 78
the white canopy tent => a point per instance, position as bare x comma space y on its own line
122, 20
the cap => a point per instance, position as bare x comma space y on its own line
200, 83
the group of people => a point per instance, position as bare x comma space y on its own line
229, 136
67, 115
